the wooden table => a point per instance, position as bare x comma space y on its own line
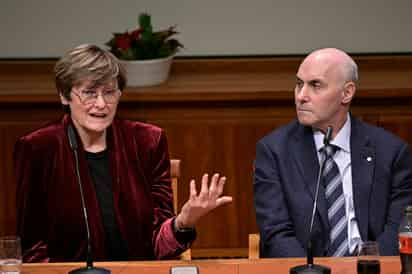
389, 265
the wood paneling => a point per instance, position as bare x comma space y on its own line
213, 111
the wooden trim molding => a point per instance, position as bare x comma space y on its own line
205, 80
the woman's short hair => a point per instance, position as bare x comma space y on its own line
87, 62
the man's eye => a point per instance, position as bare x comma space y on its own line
316, 85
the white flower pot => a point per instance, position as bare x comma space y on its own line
142, 73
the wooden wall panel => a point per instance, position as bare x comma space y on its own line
226, 146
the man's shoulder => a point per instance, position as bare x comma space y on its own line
378, 135
282, 134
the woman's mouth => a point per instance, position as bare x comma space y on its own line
98, 115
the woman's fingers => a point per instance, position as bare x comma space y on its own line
193, 192
220, 186
223, 200
209, 195
213, 186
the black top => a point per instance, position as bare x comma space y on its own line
99, 168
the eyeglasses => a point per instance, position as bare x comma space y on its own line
89, 97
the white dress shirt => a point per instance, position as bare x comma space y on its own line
343, 159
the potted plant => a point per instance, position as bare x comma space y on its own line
146, 54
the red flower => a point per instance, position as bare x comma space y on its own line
142, 42
123, 41
135, 35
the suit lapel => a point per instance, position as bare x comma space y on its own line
306, 159
362, 165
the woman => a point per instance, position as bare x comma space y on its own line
124, 170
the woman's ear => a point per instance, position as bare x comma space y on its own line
65, 103
63, 99
349, 90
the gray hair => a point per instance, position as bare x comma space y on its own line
87, 62
350, 69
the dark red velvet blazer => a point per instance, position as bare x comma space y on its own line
49, 213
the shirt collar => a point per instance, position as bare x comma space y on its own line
341, 140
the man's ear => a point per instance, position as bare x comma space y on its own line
349, 90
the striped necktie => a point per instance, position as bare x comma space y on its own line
336, 204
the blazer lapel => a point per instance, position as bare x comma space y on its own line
306, 159
363, 164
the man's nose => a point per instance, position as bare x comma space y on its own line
302, 95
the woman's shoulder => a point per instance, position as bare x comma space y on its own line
45, 135
140, 128
145, 135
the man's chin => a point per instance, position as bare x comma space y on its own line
305, 121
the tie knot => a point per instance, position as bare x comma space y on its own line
329, 150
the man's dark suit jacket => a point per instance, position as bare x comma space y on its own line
286, 170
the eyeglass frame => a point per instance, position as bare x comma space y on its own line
96, 95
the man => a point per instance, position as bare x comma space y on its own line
367, 179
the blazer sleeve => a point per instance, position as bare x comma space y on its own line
164, 240
400, 197
277, 231
30, 201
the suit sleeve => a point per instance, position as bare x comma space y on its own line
30, 202
400, 197
164, 240
277, 231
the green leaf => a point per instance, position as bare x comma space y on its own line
145, 21
149, 44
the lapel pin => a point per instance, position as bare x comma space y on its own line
369, 158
